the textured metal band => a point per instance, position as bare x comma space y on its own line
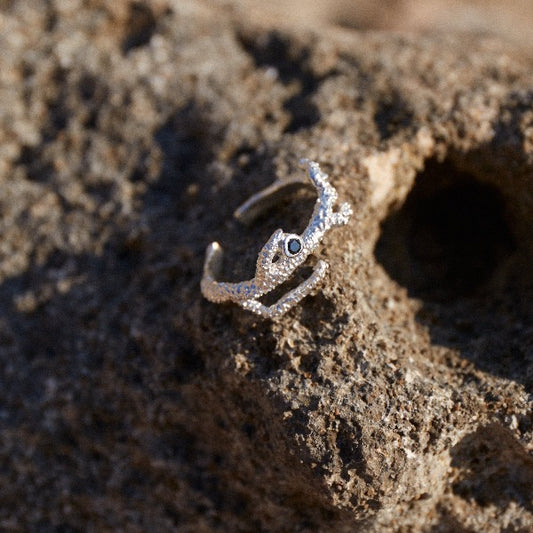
282, 254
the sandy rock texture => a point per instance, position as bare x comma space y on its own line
396, 398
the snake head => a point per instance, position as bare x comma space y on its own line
279, 257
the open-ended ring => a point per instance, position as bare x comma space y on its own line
282, 254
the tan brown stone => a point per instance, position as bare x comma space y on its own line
397, 398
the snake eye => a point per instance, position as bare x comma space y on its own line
292, 245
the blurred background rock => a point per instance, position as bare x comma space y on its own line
510, 19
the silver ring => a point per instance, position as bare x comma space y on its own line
282, 254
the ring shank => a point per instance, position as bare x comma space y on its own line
267, 198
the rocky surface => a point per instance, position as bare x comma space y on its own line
397, 398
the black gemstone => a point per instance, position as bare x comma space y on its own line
294, 246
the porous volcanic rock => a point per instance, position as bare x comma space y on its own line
398, 397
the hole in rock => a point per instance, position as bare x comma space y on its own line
493, 468
448, 238
452, 245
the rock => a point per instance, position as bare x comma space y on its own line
397, 398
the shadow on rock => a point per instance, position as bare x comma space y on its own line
123, 410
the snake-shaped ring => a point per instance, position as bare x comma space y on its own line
282, 254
